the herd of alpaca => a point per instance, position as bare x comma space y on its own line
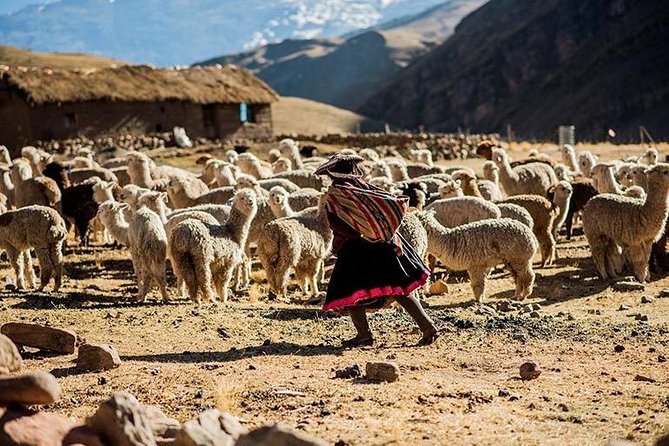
212, 225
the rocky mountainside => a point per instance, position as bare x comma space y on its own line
169, 32
597, 64
345, 71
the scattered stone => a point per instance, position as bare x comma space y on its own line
535, 307
663, 293
535, 314
623, 307
438, 287
349, 372
646, 299
530, 370
625, 286
641, 317
10, 359
164, 428
519, 336
563, 407
38, 336
661, 358
278, 435
561, 314
289, 393
102, 380
97, 357
30, 388
382, 371
619, 348
505, 306
619, 442
20, 426
595, 311
570, 317
121, 421
645, 379
503, 393
486, 310
211, 428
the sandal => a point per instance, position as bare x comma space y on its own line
429, 337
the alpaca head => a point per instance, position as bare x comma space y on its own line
490, 170
369, 154
137, 159
278, 195
21, 170
246, 201
176, 184
451, 189
562, 172
651, 157
288, 148
586, 162
567, 151
156, 201
225, 174
562, 192
658, 177
638, 175
273, 155
463, 176
635, 192
281, 164
246, 182
110, 209
103, 191
499, 156
231, 156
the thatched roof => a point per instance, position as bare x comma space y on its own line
138, 83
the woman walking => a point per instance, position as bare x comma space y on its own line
374, 263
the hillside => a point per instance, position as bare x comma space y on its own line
20, 57
345, 71
302, 116
171, 32
595, 64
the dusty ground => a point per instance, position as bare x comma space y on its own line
462, 390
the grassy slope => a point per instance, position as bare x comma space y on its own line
297, 115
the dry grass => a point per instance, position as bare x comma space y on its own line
19, 57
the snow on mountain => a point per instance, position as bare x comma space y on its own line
169, 32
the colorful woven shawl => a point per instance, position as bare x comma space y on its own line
369, 210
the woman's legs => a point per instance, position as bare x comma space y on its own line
364, 334
415, 310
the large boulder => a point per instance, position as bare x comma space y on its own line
38, 336
211, 428
278, 435
164, 428
10, 359
22, 427
30, 388
121, 421
97, 357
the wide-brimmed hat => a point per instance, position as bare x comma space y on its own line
336, 160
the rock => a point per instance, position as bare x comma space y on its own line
563, 407
619, 443
595, 311
486, 310
38, 336
121, 421
646, 299
530, 370
644, 379
535, 314
351, 371
438, 287
29, 388
211, 428
164, 428
382, 371
535, 307
641, 317
97, 357
661, 358
503, 393
619, 348
10, 359
505, 306
519, 336
623, 307
23, 427
570, 317
625, 286
663, 293
278, 435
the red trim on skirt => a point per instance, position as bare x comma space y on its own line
375, 293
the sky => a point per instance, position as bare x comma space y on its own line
7, 6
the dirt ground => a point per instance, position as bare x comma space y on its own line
464, 389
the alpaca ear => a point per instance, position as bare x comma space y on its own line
163, 196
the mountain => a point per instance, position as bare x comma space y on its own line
169, 32
26, 58
345, 71
597, 64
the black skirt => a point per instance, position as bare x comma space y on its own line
367, 273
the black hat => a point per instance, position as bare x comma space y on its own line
337, 160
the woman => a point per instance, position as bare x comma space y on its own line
367, 274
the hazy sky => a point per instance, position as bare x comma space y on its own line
7, 6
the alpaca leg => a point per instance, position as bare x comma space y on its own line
548, 250
56, 256
569, 222
477, 275
613, 260
598, 248
639, 256
143, 283
524, 278
204, 279
45, 267
16, 259
28, 268
161, 279
225, 284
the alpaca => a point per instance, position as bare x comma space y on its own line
34, 227
532, 178
29, 191
612, 221
480, 246
201, 251
562, 192
147, 243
